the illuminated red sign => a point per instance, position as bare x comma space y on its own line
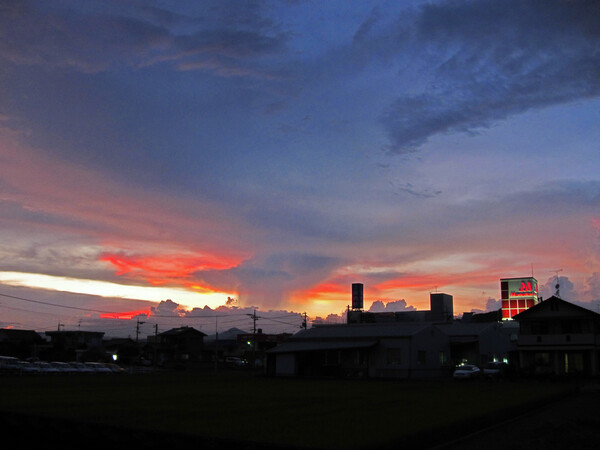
517, 294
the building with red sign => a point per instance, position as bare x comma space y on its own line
518, 295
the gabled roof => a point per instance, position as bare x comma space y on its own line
118, 341
305, 346
465, 329
555, 303
11, 334
72, 333
360, 331
181, 331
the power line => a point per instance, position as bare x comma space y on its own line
228, 318
58, 306
187, 316
279, 321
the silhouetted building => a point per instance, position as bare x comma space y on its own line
122, 350
75, 345
180, 348
20, 343
410, 349
441, 311
559, 338
225, 343
406, 350
481, 342
254, 345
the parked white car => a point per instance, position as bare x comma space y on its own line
234, 361
115, 368
98, 367
27, 367
495, 370
466, 372
81, 367
9, 364
46, 367
63, 367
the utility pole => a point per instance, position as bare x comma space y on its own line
254, 318
137, 329
155, 344
304, 321
216, 343
254, 341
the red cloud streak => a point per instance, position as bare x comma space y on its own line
165, 269
126, 315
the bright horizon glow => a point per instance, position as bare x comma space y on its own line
108, 289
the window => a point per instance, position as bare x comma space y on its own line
443, 358
573, 362
571, 326
394, 356
358, 357
332, 357
539, 327
542, 358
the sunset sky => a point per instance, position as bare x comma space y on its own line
165, 156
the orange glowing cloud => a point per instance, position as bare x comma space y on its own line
330, 291
126, 315
327, 288
166, 269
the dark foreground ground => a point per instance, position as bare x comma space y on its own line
572, 422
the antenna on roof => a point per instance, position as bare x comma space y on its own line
557, 293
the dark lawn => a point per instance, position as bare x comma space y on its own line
294, 412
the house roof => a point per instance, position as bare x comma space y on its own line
75, 333
550, 303
456, 329
11, 334
181, 330
118, 341
305, 346
361, 331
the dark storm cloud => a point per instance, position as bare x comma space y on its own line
88, 41
490, 60
421, 193
570, 198
230, 43
33, 35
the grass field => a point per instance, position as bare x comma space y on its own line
295, 412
